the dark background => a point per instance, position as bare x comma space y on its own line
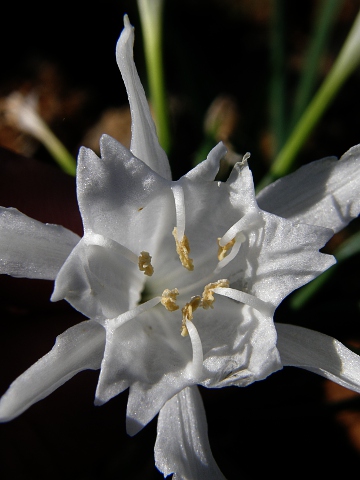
292, 425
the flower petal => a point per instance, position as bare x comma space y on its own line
318, 353
98, 279
148, 354
32, 249
281, 257
78, 348
207, 170
120, 196
325, 192
182, 445
239, 343
144, 141
277, 255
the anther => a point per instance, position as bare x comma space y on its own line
168, 299
183, 250
188, 311
208, 294
145, 264
223, 251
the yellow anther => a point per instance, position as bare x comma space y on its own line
184, 331
188, 311
208, 293
145, 264
168, 299
223, 251
183, 250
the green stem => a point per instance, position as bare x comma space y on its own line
346, 62
151, 23
322, 26
59, 152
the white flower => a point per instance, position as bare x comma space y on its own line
180, 280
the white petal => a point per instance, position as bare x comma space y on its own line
98, 280
144, 142
110, 381
120, 196
240, 185
78, 348
325, 192
277, 256
182, 445
281, 257
238, 341
32, 249
319, 353
207, 170
149, 354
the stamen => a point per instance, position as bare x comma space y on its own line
182, 242
208, 294
233, 239
245, 222
144, 263
238, 240
101, 241
196, 367
178, 193
183, 250
263, 307
168, 299
188, 311
114, 323
223, 251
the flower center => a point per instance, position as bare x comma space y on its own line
168, 299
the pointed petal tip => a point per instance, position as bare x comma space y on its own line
98, 402
133, 426
6, 413
106, 140
125, 33
126, 20
57, 295
245, 158
220, 150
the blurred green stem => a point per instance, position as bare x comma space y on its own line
322, 26
346, 62
151, 23
59, 152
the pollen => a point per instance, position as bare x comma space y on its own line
223, 251
183, 250
188, 311
168, 299
208, 299
145, 264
